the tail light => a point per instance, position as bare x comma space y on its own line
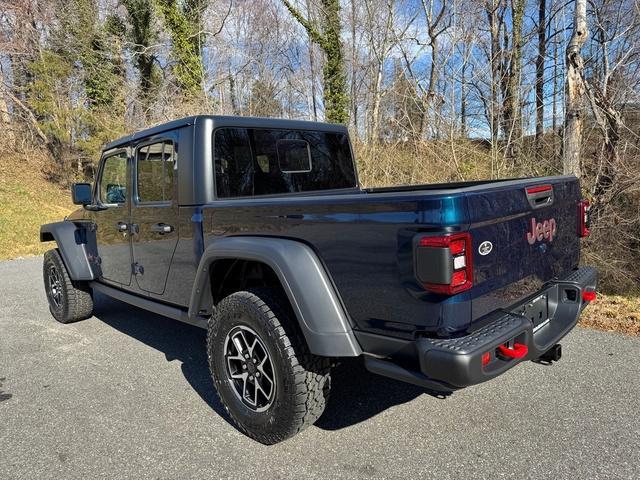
444, 264
583, 218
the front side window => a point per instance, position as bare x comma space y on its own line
155, 166
113, 183
252, 162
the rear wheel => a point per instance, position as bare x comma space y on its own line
69, 301
266, 378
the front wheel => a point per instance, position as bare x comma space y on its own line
266, 378
69, 301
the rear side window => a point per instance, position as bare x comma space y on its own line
113, 182
252, 162
155, 166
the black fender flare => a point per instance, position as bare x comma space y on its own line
322, 318
77, 246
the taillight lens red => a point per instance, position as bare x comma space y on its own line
583, 218
460, 248
486, 358
457, 247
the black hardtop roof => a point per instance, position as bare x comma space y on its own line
229, 121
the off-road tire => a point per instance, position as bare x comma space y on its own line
73, 300
302, 379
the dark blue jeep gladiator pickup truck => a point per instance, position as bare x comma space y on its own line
258, 231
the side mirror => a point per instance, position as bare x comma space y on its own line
81, 193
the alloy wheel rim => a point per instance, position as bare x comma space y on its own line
55, 286
249, 368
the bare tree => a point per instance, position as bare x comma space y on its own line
380, 29
495, 11
512, 115
312, 69
540, 63
437, 23
336, 98
574, 117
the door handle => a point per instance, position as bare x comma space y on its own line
122, 227
161, 228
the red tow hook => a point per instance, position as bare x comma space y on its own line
588, 295
519, 350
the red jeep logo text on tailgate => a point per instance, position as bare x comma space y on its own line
544, 230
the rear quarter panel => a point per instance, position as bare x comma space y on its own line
365, 241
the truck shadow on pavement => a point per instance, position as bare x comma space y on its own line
356, 394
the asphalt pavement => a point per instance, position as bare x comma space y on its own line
127, 394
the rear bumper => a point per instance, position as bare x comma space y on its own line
449, 364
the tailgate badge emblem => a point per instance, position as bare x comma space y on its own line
485, 248
545, 230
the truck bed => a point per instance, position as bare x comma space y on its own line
365, 240
437, 186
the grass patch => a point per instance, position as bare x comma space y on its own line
613, 313
27, 200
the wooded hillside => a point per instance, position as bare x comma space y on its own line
432, 90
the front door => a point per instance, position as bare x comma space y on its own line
154, 212
112, 235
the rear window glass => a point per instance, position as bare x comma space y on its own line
252, 162
294, 156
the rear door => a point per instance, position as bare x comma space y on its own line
524, 233
154, 211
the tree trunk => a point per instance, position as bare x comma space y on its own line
463, 97
184, 23
542, 53
574, 119
354, 52
554, 113
312, 70
512, 110
491, 8
431, 88
142, 34
336, 98
437, 22
232, 94
375, 112
335, 81
312, 74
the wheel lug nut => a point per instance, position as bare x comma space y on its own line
246, 355
250, 377
257, 374
244, 366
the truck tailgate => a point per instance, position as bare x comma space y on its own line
524, 233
